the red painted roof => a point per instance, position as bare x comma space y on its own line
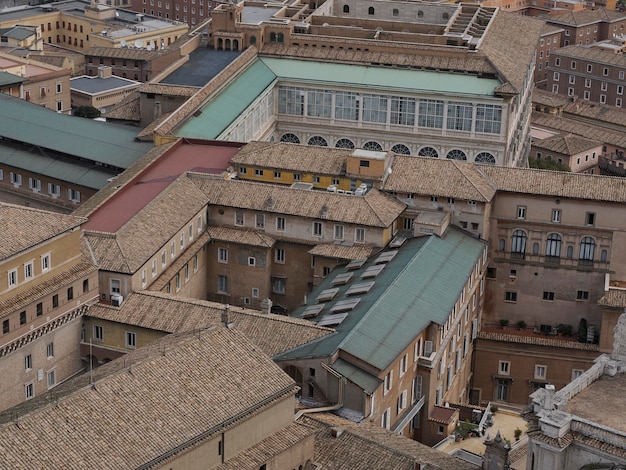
198, 156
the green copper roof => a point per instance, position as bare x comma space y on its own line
7, 78
217, 115
385, 78
54, 168
364, 380
418, 286
96, 141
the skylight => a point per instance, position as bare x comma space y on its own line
345, 305
327, 294
361, 288
372, 271
356, 264
313, 311
386, 257
332, 320
342, 279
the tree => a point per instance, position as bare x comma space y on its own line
88, 112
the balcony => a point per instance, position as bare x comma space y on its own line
552, 261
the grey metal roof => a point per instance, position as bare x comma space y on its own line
95, 85
419, 286
202, 66
7, 78
96, 141
18, 32
54, 168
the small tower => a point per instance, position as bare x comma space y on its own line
496, 453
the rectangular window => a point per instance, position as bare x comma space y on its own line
521, 212
70, 293
290, 100
317, 229
186, 272
459, 116
177, 281
590, 218
504, 367
115, 286
260, 221
280, 224
50, 350
278, 285
199, 224
319, 103
556, 215
385, 421
131, 340
55, 300
23, 318
163, 259
431, 113
34, 184
403, 364
277, 175
346, 106
402, 401
488, 118
30, 391
557, 76
173, 250
222, 255
374, 108
402, 111
195, 263
577, 373
251, 261
359, 235
28, 270
548, 295
582, 295
12, 278
279, 255
28, 362
222, 284
510, 296
316, 179
98, 333
338, 232
153, 270
182, 241
239, 218
5, 327
39, 309
388, 383
540, 372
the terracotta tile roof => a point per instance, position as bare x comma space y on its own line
584, 17
164, 397
169, 90
584, 129
24, 227
149, 230
566, 144
124, 53
550, 29
272, 333
365, 446
57, 61
511, 62
374, 209
127, 110
548, 98
613, 298
284, 156
603, 446
243, 236
441, 414
346, 252
557, 183
439, 177
279, 442
559, 443
592, 54
605, 114
537, 340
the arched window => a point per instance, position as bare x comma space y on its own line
535, 248
420, 14
401, 149
252, 39
587, 250
395, 12
518, 244
344, 144
501, 244
445, 16
428, 152
281, 37
318, 140
346, 9
456, 154
291, 138
570, 252
603, 256
272, 37
553, 246
370, 11
371, 145
485, 157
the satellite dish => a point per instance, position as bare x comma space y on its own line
149, 47
138, 43
123, 43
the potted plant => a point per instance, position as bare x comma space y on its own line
517, 433
503, 322
521, 324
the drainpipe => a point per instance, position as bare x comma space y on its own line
340, 381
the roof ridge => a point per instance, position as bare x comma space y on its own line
470, 179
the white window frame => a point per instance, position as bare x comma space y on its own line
541, 371
29, 390
388, 383
12, 278
28, 362
130, 338
29, 270
281, 224
259, 221
404, 364
222, 255
240, 218
50, 350
338, 232
251, 261
316, 232
98, 333
359, 235
222, 284
279, 255
504, 367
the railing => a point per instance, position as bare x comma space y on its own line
575, 263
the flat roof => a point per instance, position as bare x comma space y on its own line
255, 14
206, 157
95, 85
202, 66
97, 141
602, 402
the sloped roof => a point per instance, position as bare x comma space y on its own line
177, 389
7, 78
613, 298
566, 144
584, 129
364, 446
24, 227
168, 90
124, 53
584, 17
286, 156
272, 333
439, 177
348, 251
374, 209
127, 110
243, 236
592, 54
92, 140
417, 287
557, 183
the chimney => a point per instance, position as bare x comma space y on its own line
548, 402
266, 306
226, 317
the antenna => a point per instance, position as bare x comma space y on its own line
90, 362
